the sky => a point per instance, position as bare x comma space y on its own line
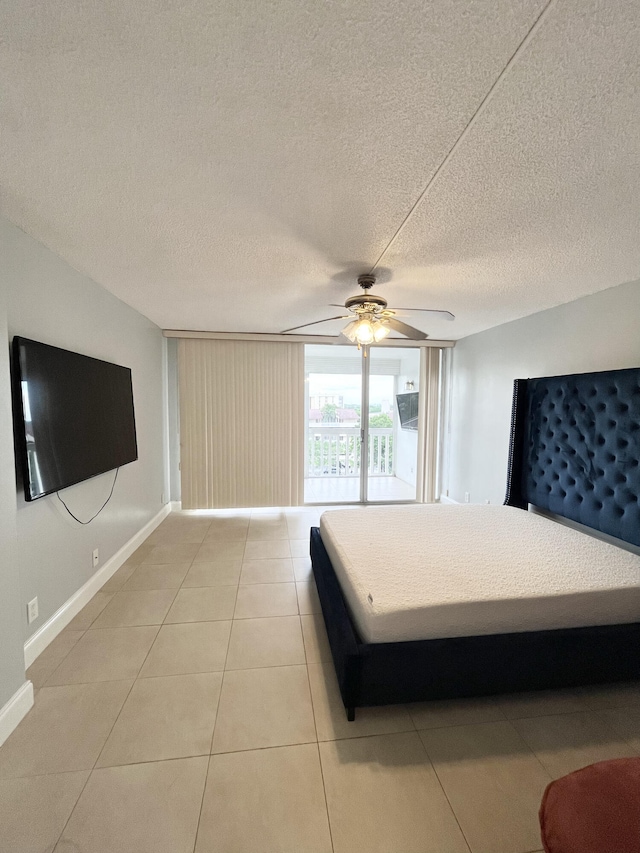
380, 387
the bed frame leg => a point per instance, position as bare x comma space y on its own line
351, 714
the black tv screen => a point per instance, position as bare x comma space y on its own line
408, 410
74, 416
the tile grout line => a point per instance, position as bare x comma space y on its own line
324, 787
530, 750
75, 805
97, 757
55, 669
90, 773
122, 764
213, 731
611, 727
135, 679
224, 670
315, 728
205, 755
446, 796
84, 631
89, 628
205, 786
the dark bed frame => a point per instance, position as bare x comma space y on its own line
574, 451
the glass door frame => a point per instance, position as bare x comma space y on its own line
365, 500
427, 421
353, 367
364, 426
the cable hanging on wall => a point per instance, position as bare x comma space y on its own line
99, 511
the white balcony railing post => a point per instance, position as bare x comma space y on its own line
333, 450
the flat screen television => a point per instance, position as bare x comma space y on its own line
408, 410
74, 416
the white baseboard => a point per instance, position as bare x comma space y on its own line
176, 506
39, 641
444, 499
15, 709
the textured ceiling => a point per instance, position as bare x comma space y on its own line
233, 167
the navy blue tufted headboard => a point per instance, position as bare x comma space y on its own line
575, 449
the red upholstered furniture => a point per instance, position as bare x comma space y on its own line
594, 810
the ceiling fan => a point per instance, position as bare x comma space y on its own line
370, 321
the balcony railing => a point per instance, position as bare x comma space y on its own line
333, 450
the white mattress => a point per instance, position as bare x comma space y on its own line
420, 572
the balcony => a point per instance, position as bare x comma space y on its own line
332, 465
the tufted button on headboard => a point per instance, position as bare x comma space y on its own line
575, 449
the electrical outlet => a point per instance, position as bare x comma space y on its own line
466, 497
95, 557
32, 610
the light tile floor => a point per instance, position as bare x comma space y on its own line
325, 490
192, 706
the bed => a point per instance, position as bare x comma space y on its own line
511, 600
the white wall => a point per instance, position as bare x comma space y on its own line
599, 332
49, 301
11, 643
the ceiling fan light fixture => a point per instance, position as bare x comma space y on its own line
349, 331
366, 330
380, 331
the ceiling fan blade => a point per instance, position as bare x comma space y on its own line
444, 315
403, 328
315, 323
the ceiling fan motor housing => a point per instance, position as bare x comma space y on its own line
366, 280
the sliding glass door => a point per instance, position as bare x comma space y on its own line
333, 425
362, 428
392, 425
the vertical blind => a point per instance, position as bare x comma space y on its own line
241, 423
430, 380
